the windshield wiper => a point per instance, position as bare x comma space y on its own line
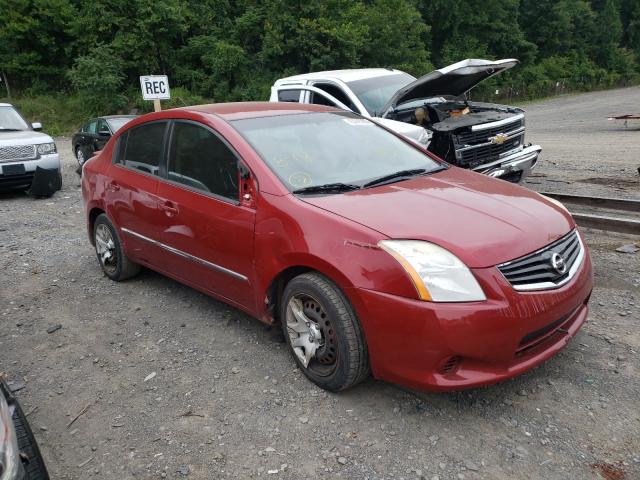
394, 176
328, 187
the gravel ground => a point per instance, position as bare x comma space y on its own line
582, 151
151, 379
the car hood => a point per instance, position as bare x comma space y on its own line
454, 80
483, 221
23, 137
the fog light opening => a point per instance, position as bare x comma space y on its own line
449, 365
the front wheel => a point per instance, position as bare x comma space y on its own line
80, 156
323, 332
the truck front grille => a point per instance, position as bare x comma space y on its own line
21, 152
478, 146
536, 271
482, 136
475, 157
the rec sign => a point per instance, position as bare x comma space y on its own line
155, 87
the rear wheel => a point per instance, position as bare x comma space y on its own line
115, 264
323, 332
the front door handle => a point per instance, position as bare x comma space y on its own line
169, 208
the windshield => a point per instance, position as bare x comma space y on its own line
118, 122
374, 93
312, 149
10, 119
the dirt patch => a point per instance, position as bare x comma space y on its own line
615, 182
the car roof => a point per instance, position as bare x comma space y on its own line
347, 75
5, 105
243, 110
107, 117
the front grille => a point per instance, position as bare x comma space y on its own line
475, 157
482, 136
22, 152
536, 271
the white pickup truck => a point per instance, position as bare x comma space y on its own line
432, 110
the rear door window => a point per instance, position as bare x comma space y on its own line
199, 159
289, 96
141, 147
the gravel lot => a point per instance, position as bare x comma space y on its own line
169, 383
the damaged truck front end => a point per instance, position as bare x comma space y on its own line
487, 138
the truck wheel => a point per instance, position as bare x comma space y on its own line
323, 332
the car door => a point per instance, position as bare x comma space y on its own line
102, 136
130, 191
207, 230
87, 136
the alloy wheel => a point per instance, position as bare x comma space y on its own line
106, 249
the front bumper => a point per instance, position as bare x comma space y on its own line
449, 346
514, 167
48, 162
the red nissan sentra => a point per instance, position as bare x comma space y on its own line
374, 255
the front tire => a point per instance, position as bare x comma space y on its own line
113, 261
80, 156
323, 333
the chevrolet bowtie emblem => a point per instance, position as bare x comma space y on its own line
499, 139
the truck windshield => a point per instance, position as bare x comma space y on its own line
11, 120
375, 92
319, 149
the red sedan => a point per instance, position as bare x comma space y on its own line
374, 255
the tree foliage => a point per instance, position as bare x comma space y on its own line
235, 49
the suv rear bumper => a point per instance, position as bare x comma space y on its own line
514, 167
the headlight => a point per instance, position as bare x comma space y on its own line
438, 275
46, 148
10, 464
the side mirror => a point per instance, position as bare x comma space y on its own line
36, 126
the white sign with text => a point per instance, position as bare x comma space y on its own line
155, 87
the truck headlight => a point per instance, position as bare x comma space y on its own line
46, 148
438, 275
10, 463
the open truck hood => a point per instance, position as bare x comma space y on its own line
454, 80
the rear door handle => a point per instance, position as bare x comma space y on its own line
169, 208
113, 187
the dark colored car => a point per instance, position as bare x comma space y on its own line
20, 457
372, 253
94, 134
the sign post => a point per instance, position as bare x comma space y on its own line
156, 88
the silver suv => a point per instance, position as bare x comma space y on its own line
23, 149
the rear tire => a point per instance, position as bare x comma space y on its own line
113, 261
323, 331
